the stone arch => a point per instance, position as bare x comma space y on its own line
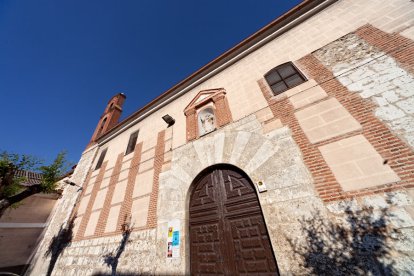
273, 158
208, 169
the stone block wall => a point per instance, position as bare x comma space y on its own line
271, 156
90, 257
335, 116
123, 194
61, 213
335, 150
381, 71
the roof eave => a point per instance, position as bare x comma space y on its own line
280, 25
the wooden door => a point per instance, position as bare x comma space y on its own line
228, 235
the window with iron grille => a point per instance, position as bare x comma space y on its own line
101, 159
131, 143
284, 77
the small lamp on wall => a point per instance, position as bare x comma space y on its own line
169, 120
71, 183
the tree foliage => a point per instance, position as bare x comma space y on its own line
51, 173
12, 190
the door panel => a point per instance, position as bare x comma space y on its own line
206, 248
228, 235
251, 245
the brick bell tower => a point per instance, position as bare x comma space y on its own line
109, 118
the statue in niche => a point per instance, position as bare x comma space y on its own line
206, 121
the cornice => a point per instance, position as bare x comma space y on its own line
280, 25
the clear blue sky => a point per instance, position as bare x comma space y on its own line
61, 61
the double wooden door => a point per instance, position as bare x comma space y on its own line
228, 235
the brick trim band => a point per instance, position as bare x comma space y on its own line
103, 217
126, 207
86, 216
400, 157
159, 160
222, 111
395, 45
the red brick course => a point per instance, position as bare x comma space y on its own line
103, 216
191, 124
221, 111
125, 212
95, 189
159, 160
396, 45
223, 114
399, 156
111, 117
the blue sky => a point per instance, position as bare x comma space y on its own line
61, 61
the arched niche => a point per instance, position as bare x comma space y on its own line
209, 110
206, 121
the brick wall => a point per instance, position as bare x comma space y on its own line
124, 193
397, 170
215, 98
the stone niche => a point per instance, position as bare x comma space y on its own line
206, 121
273, 158
208, 111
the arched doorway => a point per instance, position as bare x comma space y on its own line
228, 235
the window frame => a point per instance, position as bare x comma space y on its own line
132, 142
101, 159
283, 79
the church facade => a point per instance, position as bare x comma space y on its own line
291, 153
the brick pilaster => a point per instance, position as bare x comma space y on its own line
86, 216
158, 161
223, 114
86, 183
399, 155
103, 216
395, 45
125, 211
191, 124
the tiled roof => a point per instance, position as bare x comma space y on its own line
31, 178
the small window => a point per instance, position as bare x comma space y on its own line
101, 159
132, 142
284, 77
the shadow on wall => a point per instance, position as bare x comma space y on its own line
58, 243
358, 245
111, 259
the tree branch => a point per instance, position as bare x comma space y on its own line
8, 201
